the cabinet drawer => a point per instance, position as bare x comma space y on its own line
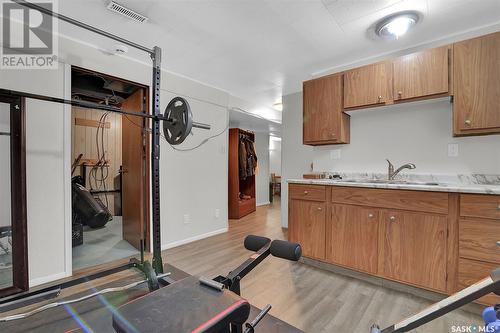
430, 202
307, 192
477, 205
470, 272
480, 239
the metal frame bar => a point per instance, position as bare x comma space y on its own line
30, 297
484, 287
90, 105
155, 55
157, 261
232, 280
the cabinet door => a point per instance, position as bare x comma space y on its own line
307, 221
352, 237
367, 85
414, 248
323, 109
421, 74
472, 271
476, 65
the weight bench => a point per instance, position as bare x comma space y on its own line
200, 305
184, 306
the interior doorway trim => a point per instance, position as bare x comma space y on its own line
146, 123
18, 195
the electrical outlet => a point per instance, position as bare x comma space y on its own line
187, 219
452, 149
217, 213
335, 154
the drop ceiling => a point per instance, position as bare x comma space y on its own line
261, 49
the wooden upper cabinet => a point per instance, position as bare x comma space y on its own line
476, 84
324, 121
419, 236
307, 221
352, 237
367, 85
421, 74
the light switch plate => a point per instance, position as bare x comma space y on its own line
217, 213
335, 154
187, 219
452, 149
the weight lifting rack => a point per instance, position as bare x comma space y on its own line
155, 116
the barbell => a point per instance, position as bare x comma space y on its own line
177, 118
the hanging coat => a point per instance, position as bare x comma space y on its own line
242, 159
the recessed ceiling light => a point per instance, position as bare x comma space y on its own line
396, 25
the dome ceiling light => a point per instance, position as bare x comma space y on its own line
396, 25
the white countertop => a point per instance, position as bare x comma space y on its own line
442, 187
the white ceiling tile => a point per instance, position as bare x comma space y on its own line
259, 49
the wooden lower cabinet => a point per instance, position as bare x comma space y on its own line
472, 271
413, 248
352, 237
307, 222
432, 240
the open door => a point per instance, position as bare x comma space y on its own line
134, 170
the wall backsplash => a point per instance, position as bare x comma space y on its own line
418, 133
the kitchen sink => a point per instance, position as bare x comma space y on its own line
386, 181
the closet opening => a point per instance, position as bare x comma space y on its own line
110, 170
242, 171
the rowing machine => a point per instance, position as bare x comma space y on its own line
488, 285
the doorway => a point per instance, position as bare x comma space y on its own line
110, 170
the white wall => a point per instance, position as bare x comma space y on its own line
416, 132
193, 183
262, 178
296, 158
275, 156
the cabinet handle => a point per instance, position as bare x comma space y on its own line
498, 243
392, 218
498, 207
370, 215
400, 94
468, 122
380, 98
319, 208
306, 193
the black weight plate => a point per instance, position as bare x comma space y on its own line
180, 121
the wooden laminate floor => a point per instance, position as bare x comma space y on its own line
309, 298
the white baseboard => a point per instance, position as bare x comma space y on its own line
47, 279
263, 203
192, 239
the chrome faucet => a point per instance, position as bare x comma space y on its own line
391, 173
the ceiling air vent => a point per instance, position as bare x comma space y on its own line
117, 8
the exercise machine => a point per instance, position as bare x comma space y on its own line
201, 304
213, 305
177, 124
187, 304
490, 284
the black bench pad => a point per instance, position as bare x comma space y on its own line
184, 306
